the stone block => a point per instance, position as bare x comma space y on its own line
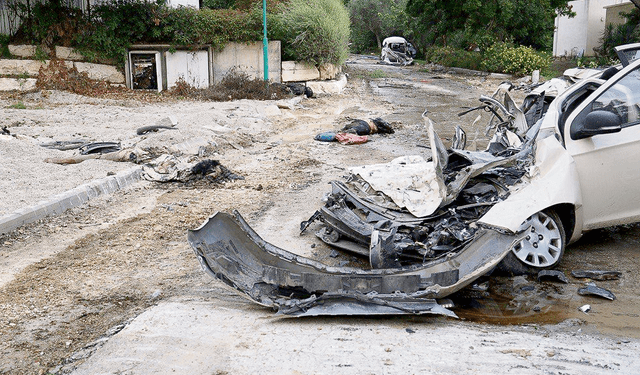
20, 67
23, 50
66, 53
17, 84
293, 71
329, 71
100, 72
328, 87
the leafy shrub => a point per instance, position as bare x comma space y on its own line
520, 60
449, 56
234, 86
314, 31
113, 26
615, 35
46, 23
4, 46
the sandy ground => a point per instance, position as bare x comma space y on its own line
113, 286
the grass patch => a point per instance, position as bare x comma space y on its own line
18, 105
557, 68
368, 74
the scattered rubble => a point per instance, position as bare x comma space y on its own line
554, 275
596, 274
593, 290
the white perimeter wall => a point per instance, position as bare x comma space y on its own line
581, 34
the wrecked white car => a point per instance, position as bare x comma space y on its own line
556, 167
396, 50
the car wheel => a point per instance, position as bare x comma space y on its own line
544, 241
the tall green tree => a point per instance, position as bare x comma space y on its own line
480, 23
374, 20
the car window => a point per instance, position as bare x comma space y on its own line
628, 53
623, 99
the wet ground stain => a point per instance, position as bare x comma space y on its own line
504, 300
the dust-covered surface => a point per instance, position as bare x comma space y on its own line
113, 286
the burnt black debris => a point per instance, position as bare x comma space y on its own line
99, 148
366, 127
168, 168
552, 275
214, 171
152, 128
417, 250
593, 290
596, 274
300, 89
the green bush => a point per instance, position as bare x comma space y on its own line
616, 35
520, 60
449, 56
4, 46
112, 27
314, 31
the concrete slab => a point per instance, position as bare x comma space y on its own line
293, 71
328, 87
246, 58
199, 337
101, 72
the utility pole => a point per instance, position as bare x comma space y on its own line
265, 42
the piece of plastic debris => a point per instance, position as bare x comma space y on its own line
596, 274
596, 291
585, 308
99, 148
326, 137
552, 275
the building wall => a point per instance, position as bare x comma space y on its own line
581, 34
247, 58
570, 37
614, 16
184, 3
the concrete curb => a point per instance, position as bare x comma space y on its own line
59, 203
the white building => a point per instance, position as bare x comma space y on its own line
579, 35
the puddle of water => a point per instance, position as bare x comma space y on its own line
513, 300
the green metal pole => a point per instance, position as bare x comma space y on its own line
265, 42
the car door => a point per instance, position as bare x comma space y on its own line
608, 163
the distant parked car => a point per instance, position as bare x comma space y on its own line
396, 50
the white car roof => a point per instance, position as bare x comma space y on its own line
394, 39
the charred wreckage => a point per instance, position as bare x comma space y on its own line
431, 227
418, 226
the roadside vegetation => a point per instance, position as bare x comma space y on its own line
509, 36
505, 36
315, 32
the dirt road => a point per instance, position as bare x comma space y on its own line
113, 286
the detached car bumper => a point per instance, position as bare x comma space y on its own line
231, 251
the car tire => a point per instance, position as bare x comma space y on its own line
543, 243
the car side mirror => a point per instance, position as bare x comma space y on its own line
597, 122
